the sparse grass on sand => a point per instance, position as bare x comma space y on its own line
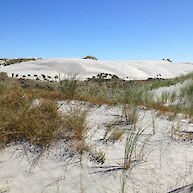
25, 118
41, 123
33, 115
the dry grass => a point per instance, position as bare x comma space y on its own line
108, 92
180, 134
47, 94
75, 129
116, 135
42, 123
23, 120
75, 123
68, 86
26, 118
130, 114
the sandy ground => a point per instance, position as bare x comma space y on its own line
167, 161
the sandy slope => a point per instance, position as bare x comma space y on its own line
167, 163
88, 68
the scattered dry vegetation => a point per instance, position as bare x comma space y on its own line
116, 135
30, 113
27, 117
42, 123
17, 101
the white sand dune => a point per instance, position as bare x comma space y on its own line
87, 68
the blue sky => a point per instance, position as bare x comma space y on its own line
108, 29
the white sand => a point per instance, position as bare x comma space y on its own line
88, 68
167, 162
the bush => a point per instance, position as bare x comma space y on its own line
90, 57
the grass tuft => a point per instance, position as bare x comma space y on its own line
23, 120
